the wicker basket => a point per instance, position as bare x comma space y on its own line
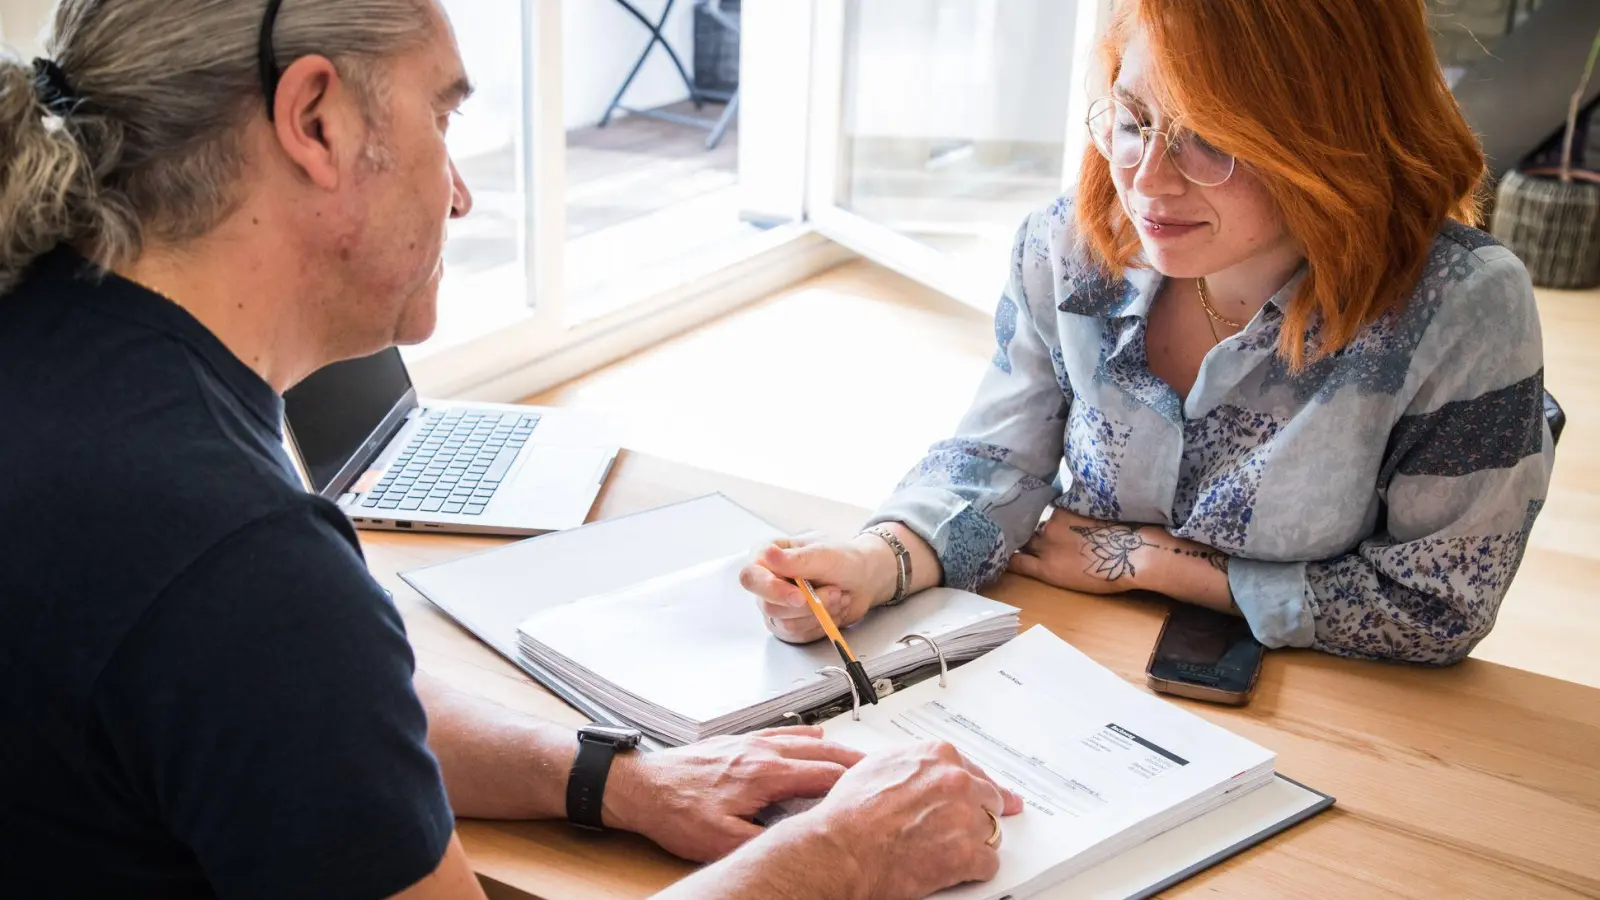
1553, 225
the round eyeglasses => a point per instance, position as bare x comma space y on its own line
1124, 140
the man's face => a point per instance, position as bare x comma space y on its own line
405, 193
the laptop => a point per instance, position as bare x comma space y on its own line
363, 440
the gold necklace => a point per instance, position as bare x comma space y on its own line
1205, 302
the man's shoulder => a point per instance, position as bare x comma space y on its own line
80, 581
122, 510
271, 686
117, 506
135, 458
296, 561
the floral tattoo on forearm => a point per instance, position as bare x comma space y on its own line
1111, 549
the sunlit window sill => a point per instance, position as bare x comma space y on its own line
491, 345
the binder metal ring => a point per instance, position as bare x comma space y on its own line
944, 667
855, 695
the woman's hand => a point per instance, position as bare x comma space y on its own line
1087, 555
850, 577
1094, 557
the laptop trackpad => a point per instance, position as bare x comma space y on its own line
557, 464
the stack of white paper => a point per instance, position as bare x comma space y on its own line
687, 656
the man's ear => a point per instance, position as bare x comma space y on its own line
317, 120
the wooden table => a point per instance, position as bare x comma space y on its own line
1472, 781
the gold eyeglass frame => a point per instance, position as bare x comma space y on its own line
1146, 135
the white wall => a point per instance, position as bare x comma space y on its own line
601, 42
995, 70
22, 22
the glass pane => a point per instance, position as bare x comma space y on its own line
1465, 32
652, 149
485, 259
955, 117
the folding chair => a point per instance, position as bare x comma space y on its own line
719, 126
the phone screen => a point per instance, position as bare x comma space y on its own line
1211, 649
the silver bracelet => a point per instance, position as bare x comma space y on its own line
902, 560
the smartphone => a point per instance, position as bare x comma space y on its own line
1205, 655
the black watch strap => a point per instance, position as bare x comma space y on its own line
591, 766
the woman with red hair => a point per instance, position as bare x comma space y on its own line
1260, 362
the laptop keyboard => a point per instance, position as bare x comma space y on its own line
454, 463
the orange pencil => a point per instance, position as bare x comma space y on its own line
858, 672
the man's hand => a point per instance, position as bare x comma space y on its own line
696, 801
916, 820
898, 825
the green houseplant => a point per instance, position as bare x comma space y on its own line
1550, 217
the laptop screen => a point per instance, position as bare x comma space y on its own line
335, 411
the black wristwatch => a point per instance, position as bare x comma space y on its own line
586, 786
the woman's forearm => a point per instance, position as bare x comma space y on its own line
881, 570
1096, 557
1184, 570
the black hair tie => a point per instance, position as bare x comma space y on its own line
54, 90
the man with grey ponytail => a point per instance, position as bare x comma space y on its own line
205, 693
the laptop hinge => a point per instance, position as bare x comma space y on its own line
373, 447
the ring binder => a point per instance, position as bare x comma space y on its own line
944, 666
855, 695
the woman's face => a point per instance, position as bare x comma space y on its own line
1188, 230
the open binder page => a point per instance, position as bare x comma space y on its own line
491, 592
1101, 765
688, 655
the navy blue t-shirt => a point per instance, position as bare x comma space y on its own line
203, 692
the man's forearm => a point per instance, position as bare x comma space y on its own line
794, 860
497, 763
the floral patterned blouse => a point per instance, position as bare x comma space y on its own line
1376, 504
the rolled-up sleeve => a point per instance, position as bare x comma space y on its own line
978, 496
1463, 479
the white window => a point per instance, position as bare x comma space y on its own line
606, 219
937, 125
915, 132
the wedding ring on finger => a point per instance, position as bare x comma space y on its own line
994, 839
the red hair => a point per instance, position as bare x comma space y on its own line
1341, 109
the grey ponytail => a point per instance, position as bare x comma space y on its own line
153, 150
47, 187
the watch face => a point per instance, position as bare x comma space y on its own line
624, 738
